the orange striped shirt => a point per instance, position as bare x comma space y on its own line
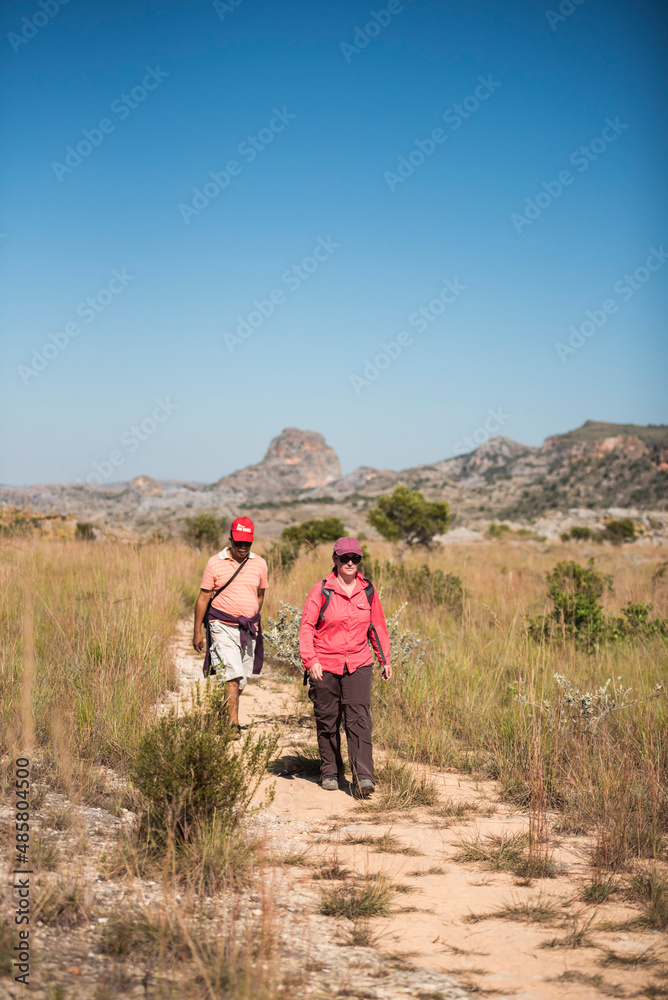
240, 598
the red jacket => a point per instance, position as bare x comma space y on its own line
349, 624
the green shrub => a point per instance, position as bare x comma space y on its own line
187, 772
85, 532
576, 593
407, 517
420, 584
498, 530
618, 532
314, 532
281, 555
204, 531
578, 534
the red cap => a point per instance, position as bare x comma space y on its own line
242, 529
342, 546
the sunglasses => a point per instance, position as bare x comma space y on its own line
350, 557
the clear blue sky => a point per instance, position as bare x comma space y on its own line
338, 122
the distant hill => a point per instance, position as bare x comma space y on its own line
596, 466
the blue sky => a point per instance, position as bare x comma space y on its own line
169, 92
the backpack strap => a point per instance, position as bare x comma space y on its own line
325, 598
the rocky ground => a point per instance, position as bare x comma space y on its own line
454, 929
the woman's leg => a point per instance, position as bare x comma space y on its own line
356, 697
326, 698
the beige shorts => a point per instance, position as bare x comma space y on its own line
226, 655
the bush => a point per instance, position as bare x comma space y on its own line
576, 593
85, 532
420, 584
618, 532
407, 517
187, 772
281, 555
578, 534
204, 531
498, 530
314, 532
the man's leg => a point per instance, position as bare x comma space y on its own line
326, 698
356, 697
227, 659
232, 688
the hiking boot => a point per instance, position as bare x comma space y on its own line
365, 788
235, 729
330, 784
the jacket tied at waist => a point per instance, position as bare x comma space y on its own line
248, 628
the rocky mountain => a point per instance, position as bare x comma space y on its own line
595, 467
294, 461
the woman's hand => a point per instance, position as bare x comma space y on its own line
386, 673
315, 672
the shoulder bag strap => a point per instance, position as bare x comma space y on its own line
236, 573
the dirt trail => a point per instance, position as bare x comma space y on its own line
431, 926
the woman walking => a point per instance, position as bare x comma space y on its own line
341, 616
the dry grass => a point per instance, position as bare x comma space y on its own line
331, 870
387, 843
370, 898
104, 614
234, 957
532, 911
61, 903
506, 852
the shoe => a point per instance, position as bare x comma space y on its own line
235, 730
365, 788
330, 784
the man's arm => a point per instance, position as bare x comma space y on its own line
260, 598
201, 605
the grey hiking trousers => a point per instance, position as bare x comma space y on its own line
346, 698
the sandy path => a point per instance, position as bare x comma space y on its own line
498, 957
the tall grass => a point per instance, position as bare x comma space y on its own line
486, 696
93, 622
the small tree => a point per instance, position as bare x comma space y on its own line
314, 532
407, 517
282, 554
204, 531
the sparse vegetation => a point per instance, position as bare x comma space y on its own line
532, 911
365, 899
62, 903
598, 889
507, 852
401, 787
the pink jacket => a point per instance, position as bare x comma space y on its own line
349, 624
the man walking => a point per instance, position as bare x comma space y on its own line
237, 578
